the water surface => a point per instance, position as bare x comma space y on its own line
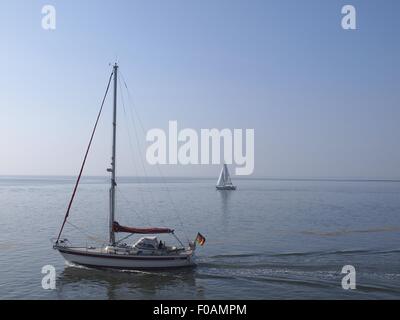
270, 239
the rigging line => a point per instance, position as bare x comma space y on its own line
131, 146
141, 159
130, 142
157, 165
130, 204
84, 159
88, 235
180, 242
124, 238
129, 133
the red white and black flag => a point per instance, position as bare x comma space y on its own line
200, 239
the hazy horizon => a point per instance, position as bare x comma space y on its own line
251, 177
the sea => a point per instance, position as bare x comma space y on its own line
269, 239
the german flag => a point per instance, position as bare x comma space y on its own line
200, 239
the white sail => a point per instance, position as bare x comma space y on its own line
221, 179
224, 177
227, 177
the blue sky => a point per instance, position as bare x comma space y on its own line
324, 102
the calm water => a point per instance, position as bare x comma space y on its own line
268, 240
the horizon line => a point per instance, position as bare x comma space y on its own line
272, 178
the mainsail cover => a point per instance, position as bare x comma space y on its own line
118, 228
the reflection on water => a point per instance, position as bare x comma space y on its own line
126, 284
225, 195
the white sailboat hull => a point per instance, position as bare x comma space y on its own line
226, 187
92, 258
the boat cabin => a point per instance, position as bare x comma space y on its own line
147, 243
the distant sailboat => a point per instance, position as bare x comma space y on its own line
224, 180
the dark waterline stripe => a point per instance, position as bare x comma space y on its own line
121, 257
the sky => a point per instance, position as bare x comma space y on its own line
324, 102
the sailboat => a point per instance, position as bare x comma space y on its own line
145, 253
224, 180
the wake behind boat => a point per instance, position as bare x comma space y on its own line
224, 180
146, 253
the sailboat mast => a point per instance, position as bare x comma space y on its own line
113, 159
